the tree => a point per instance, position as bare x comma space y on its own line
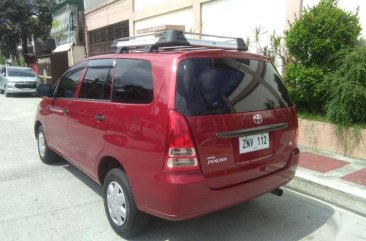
322, 31
22, 18
347, 89
313, 41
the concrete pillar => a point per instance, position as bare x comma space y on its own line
197, 17
293, 11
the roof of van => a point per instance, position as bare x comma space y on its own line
216, 53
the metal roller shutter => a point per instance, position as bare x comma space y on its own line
100, 40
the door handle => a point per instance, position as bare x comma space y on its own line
66, 111
100, 117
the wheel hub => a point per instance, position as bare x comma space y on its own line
41, 144
116, 202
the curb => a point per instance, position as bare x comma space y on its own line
352, 200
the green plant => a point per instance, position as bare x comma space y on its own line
315, 41
321, 32
274, 50
2, 60
305, 86
347, 89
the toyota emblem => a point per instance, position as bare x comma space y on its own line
257, 119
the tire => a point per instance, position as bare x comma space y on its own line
120, 206
5, 92
2, 91
45, 153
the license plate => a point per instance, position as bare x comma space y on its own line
253, 143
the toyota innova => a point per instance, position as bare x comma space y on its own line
172, 132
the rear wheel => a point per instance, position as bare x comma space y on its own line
120, 205
46, 155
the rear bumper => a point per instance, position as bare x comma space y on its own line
180, 197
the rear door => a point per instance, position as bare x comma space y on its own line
238, 112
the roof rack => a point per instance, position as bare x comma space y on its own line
169, 40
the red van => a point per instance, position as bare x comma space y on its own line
182, 129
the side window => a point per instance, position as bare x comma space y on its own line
133, 81
68, 83
97, 81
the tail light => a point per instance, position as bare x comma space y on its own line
296, 135
181, 154
293, 114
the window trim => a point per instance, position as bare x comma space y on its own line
112, 71
83, 65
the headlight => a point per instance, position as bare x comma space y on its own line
10, 83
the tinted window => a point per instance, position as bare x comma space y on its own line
68, 83
133, 81
20, 72
220, 86
97, 80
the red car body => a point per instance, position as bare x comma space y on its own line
138, 138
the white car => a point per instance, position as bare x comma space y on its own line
16, 80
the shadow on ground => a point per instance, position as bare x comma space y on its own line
24, 96
84, 178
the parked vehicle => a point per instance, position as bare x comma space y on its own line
174, 133
18, 80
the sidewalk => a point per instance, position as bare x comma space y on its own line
333, 178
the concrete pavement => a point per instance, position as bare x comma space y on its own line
333, 178
59, 202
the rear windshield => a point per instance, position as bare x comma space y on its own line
211, 86
20, 72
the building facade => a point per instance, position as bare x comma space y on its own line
110, 19
67, 33
106, 21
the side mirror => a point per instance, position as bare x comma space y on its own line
44, 90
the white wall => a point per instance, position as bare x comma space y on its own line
239, 18
115, 12
90, 4
143, 4
350, 6
180, 17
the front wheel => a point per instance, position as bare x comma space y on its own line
45, 153
6, 93
120, 205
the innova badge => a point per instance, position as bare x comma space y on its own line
258, 119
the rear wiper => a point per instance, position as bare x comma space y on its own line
213, 109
